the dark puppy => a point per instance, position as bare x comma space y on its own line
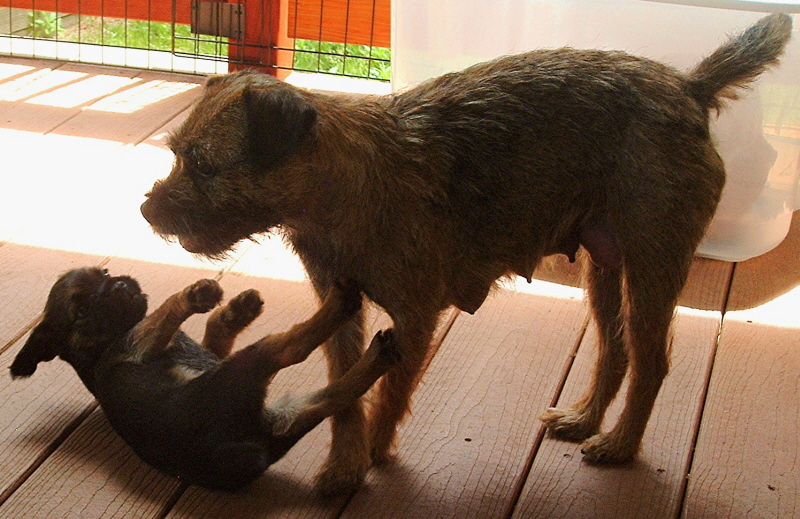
428, 196
193, 411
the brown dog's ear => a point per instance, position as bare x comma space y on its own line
278, 120
42, 346
214, 80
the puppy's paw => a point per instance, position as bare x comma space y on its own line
349, 295
204, 295
243, 309
386, 345
608, 448
568, 424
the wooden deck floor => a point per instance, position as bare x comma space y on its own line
79, 145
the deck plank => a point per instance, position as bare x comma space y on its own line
35, 412
465, 446
562, 485
54, 98
746, 461
132, 112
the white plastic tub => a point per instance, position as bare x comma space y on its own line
758, 136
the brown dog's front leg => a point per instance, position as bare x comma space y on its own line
294, 417
348, 459
154, 333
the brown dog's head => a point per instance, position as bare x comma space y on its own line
86, 309
225, 186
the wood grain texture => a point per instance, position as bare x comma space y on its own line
747, 462
561, 484
131, 112
93, 474
474, 418
52, 99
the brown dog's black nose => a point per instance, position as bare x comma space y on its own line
147, 211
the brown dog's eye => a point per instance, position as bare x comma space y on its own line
198, 168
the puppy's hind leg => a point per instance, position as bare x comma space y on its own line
226, 322
394, 391
583, 419
294, 417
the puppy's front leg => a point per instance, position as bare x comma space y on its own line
294, 417
226, 322
154, 333
294, 346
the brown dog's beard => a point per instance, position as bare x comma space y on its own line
212, 233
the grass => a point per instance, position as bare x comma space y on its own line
362, 61
337, 58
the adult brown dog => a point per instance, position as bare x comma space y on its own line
194, 411
428, 196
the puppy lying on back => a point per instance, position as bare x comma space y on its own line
194, 411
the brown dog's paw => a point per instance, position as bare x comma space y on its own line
337, 479
243, 309
204, 295
568, 424
607, 448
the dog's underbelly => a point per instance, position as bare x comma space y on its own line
597, 237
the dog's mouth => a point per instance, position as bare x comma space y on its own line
123, 289
191, 244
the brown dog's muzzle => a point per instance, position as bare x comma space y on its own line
148, 211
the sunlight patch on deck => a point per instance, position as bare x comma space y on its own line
783, 311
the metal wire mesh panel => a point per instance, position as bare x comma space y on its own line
340, 37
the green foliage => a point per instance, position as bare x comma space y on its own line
43, 24
361, 61
139, 34
337, 58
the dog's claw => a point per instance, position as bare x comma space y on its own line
567, 424
602, 448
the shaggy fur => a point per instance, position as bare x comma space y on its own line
426, 197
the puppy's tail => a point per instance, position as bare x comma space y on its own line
740, 61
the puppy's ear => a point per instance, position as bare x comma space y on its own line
278, 120
42, 346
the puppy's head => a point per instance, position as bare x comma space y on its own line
229, 180
85, 307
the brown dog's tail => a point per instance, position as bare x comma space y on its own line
740, 61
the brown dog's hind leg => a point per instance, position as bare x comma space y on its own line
652, 286
583, 419
226, 322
